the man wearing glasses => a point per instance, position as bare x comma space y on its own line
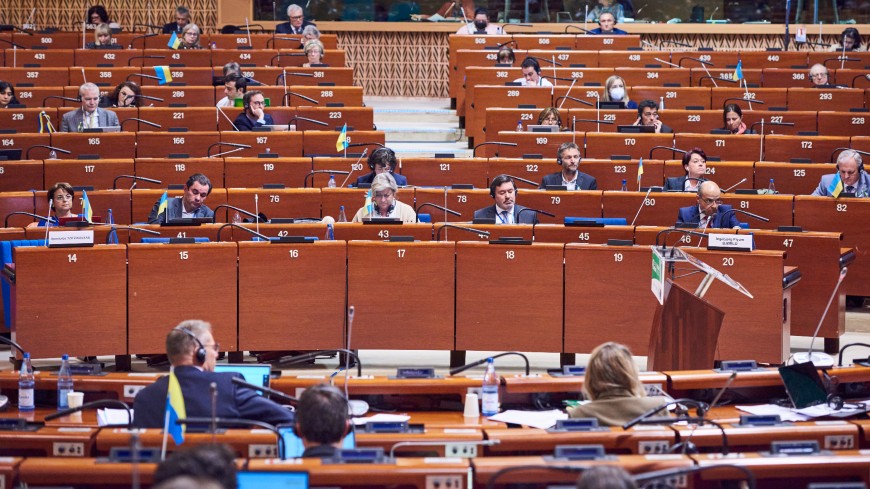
192, 352
819, 75
254, 114
709, 212
297, 21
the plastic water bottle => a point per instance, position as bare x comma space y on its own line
331, 183
52, 155
624, 186
771, 187
489, 392
342, 217
26, 385
237, 218
520, 125
64, 383
661, 103
330, 233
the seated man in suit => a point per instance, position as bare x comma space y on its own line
192, 352
854, 179
91, 116
607, 25
695, 166
648, 115
254, 114
569, 157
382, 160
709, 212
297, 21
506, 210
192, 203
322, 421
182, 18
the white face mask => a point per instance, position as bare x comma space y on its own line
617, 94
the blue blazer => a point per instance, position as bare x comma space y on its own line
233, 401
489, 213
691, 214
862, 187
401, 180
174, 207
584, 181
286, 28
243, 123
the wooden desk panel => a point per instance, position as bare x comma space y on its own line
106, 78
846, 465
303, 313
486, 467
841, 100
816, 149
101, 200
690, 121
605, 145
772, 97
500, 96
614, 440
528, 311
17, 202
564, 204
287, 202
610, 173
848, 216
48, 442
27, 144
332, 199
356, 118
88, 472
532, 145
660, 208
52, 77
843, 124
742, 147
349, 231
256, 172
725, 77
21, 175
680, 98
164, 144
498, 119
55, 40
284, 144
791, 178
427, 285
25, 120
463, 201
175, 171
191, 118
181, 57
587, 291
727, 174
520, 384
777, 208
532, 168
99, 174
443, 172
759, 438
156, 304
578, 234
803, 120
178, 97
209, 231
646, 77
87, 320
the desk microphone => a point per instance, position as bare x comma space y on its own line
754, 216
142, 75
723, 389
237, 209
53, 148
461, 228
701, 409
147, 25
669, 148
143, 121
213, 391
221, 112
366, 144
14, 45
463, 368
238, 146
738, 99
314, 172
150, 56
867, 77
705, 63
752, 127
353, 169
574, 99
643, 203
144, 36
676, 43
300, 118
288, 94
234, 423
491, 143
292, 73
146, 97
266, 390
841, 59
284, 55
135, 179
732, 187
314, 354
529, 182
820, 359
22, 213
239, 226
60, 97
440, 208
115, 229
554, 63
537, 211
714, 80
587, 31
837, 150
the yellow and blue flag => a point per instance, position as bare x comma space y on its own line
87, 210
836, 186
639, 171
174, 41
341, 143
368, 205
45, 123
738, 72
174, 409
164, 76
163, 206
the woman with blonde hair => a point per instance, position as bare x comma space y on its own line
614, 91
612, 386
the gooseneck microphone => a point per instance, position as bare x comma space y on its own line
237, 209
461, 228
239, 226
238, 146
490, 143
266, 390
762, 123
669, 148
705, 63
141, 75
463, 368
736, 184
314, 354
144, 36
131, 58
642, 204
315, 172
23, 213
701, 407
820, 359
288, 94
436, 206
115, 229
738, 99
53, 148
60, 97
135, 179
143, 121
574, 99
537, 211
529, 182
745, 213
300, 118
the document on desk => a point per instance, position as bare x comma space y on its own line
535, 419
112, 417
785, 414
382, 418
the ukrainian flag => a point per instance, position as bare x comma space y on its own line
163, 207
87, 210
368, 205
341, 143
738, 72
639, 171
174, 409
836, 186
174, 41
164, 76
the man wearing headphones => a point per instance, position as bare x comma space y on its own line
709, 212
322, 421
91, 116
850, 166
192, 352
506, 210
381, 160
254, 114
570, 177
480, 25
532, 74
607, 25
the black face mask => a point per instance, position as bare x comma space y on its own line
480, 24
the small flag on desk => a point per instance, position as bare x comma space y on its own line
368, 205
174, 410
738, 72
836, 186
639, 171
164, 76
163, 206
112, 238
174, 41
341, 143
45, 123
87, 210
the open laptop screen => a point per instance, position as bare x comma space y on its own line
272, 480
254, 373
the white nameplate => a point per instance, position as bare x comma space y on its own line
60, 239
730, 242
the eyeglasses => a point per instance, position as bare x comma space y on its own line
216, 347
707, 201
819, 75
297, 17
380, 195
258, 102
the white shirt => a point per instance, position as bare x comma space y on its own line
572, 185
504, 219
225, 102
542, 82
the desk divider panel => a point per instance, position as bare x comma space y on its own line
463, 201
101, 201
21, 175
444, 172
609, 174
659, 208
284, 202
99, 173
256, 172
175, 171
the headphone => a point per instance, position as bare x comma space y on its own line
382, 154
564, 147
860, 167
501, 179
200, 353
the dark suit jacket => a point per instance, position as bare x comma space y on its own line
676, 184
174, 207
489, 213
285, 28
243, 123
584, 181
320, 451
232, 401
401, 180
691, 214
171, 27
616, 32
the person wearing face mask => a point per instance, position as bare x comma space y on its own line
480, 25
614, 91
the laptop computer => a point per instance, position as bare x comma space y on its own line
636, 129
254, 373
293, 447
258, 479
803, 385
542, 128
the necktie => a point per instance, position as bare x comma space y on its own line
92, 122
850, 189
504, 217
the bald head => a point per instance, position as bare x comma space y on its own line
709, 197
